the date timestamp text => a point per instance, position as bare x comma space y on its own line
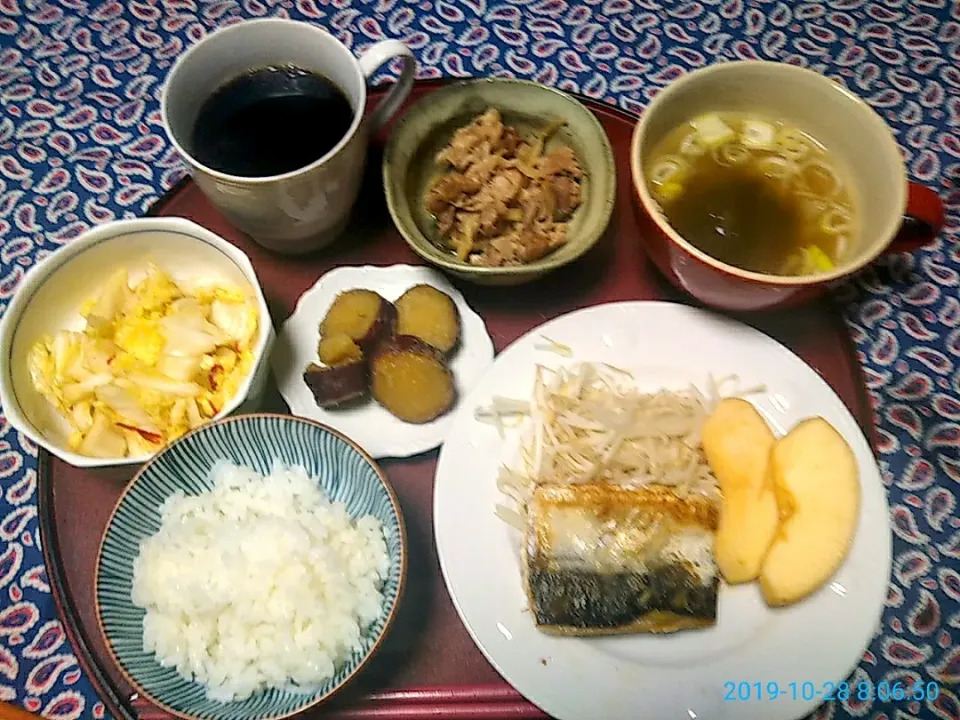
825, 692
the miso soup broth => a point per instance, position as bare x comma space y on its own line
754, 193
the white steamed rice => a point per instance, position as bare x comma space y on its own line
259, 583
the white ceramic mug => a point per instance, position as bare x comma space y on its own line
302, 210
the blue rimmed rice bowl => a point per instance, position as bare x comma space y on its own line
345, 474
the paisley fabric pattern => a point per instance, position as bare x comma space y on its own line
81, 143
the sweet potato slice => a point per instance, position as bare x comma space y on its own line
338, 349
428, 314
336, 385
362, 315
410, 380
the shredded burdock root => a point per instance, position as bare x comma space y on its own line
589, 423
503, 199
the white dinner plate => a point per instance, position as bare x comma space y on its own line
376, 430
687, 675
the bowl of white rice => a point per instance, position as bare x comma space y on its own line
250, 569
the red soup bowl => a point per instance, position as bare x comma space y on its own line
894, 215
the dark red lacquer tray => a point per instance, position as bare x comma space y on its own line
428, 666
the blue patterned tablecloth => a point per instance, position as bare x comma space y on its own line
81, 143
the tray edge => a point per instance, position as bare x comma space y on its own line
63, 602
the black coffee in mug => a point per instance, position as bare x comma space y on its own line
270, 121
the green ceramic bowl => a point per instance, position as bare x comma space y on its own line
408, 167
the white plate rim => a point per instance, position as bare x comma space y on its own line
564, 692
380, 434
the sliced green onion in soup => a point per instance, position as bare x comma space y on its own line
758, 135
730, 154
692, 145
812, 206
835, 220
669, 191
712, 131
667, 168
666, 177
820, 179
792, 144
815, 260
808, 260
840, 246
792, 265
777, 168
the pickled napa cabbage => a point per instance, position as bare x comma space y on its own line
152, 361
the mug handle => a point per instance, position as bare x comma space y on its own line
922, 221
371, 60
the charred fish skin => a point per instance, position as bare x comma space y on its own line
603, 559
584, 600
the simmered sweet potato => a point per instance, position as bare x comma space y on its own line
428, 314
336, 385
338, 349
409, 378
362, 315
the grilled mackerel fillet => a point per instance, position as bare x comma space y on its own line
604, 559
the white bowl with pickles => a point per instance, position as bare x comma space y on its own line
133, 334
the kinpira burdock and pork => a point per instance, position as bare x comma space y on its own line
503, 199
395, 352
